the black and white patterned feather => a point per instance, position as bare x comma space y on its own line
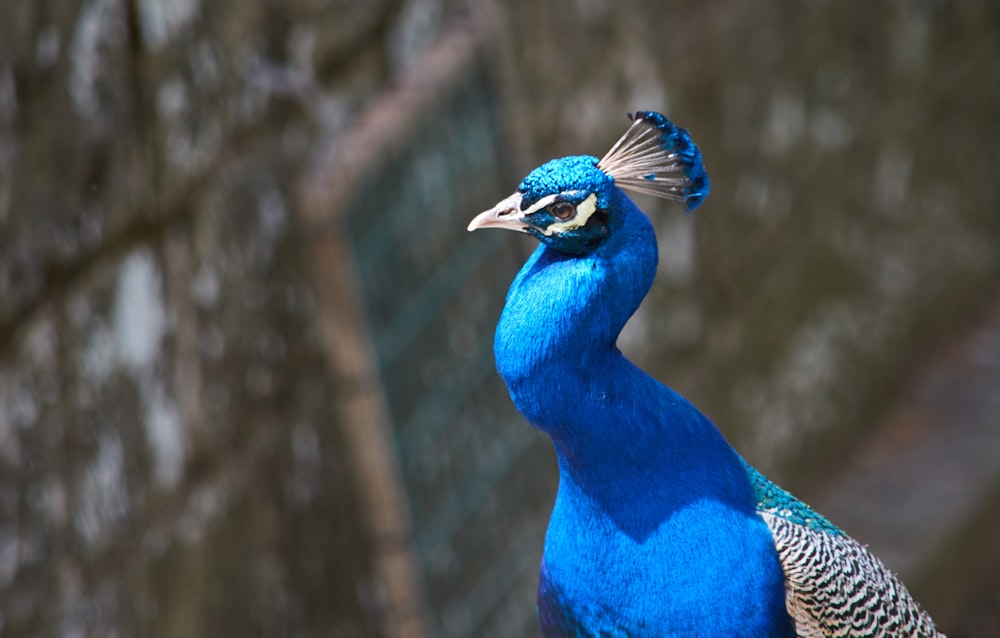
836, 587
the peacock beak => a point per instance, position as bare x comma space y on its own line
506, 214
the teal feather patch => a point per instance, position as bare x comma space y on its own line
773, 499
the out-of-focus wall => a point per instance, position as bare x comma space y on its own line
170, 463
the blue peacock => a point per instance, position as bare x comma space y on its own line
659, 527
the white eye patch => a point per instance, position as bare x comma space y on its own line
584, 210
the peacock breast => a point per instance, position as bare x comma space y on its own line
707, 570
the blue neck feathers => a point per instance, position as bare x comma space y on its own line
654, 509
564, 313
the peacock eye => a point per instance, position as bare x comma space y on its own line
563, 211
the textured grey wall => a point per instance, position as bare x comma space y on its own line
170, 462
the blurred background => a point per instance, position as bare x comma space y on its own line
246, 373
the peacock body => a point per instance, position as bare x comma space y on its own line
659, 527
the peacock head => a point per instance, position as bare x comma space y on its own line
567, 203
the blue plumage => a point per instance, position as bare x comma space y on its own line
659, 527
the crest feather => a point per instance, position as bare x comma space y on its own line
658, 158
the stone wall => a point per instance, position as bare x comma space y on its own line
171, 464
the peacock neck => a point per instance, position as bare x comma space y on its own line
634, 452
556, 337
620, 435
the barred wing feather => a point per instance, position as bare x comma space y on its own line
836, 587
